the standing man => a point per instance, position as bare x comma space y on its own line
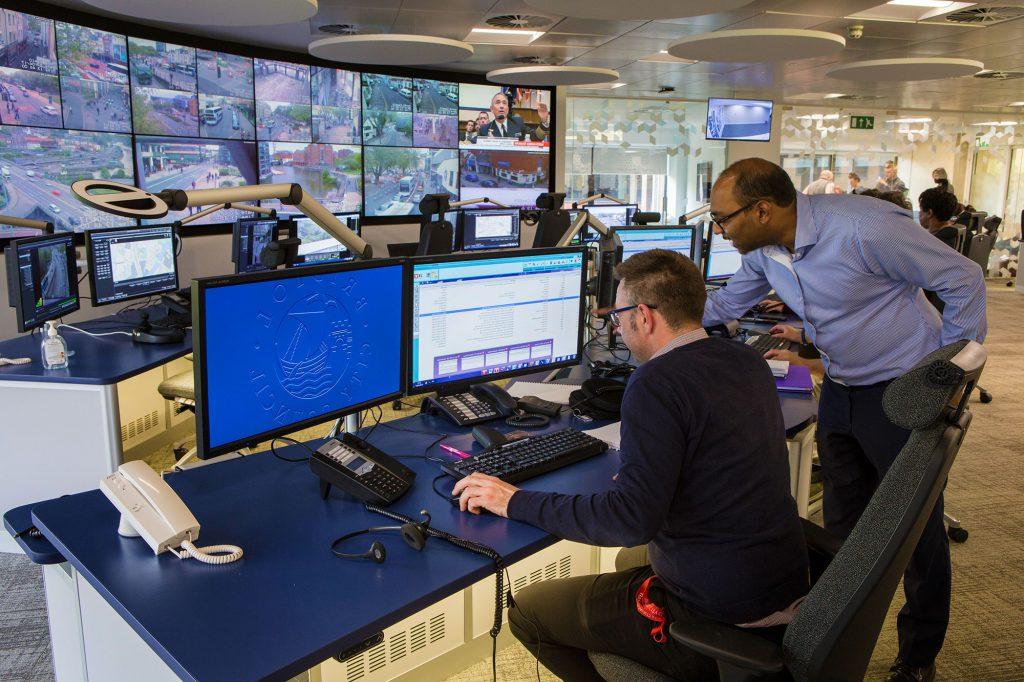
855, 187
891, 182
854, 271
823, 185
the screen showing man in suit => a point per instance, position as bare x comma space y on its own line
503, 117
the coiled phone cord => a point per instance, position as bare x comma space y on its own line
212, 554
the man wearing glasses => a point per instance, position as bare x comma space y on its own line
854, 270
703, 482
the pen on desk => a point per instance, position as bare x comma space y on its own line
454, 451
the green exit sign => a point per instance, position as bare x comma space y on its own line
862, 122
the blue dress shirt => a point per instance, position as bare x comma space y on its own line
855, 278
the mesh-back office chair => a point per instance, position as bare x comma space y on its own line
550, 228
436, 239
180, 389
836, 628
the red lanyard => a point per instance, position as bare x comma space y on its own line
651, 611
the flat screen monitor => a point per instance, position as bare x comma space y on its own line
249, 237
487, 228
42, 280
585, 235
613, 215
319, 247
480, 317
739, 119
131, 262
723, 259
672, 237
284, 350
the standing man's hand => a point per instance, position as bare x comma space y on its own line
544, 114
784, 331
478, 492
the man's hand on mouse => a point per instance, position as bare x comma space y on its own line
478, 492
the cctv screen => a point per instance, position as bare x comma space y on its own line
490, 229
723, 259
613, 215
318, 247
131, 263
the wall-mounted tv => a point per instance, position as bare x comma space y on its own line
739, 119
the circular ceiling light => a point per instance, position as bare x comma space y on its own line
390, 49
214, 12
912, 69
537, 76
639, 9
757, 45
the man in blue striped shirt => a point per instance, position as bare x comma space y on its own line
854, 269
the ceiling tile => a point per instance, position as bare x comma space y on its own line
570, 39
595, 26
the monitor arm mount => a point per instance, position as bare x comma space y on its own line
132, 202
439, 204
44, 226
695, 213
269, 212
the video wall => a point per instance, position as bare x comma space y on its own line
78, 103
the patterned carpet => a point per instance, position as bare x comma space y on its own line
985, 491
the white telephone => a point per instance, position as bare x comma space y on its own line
150, 509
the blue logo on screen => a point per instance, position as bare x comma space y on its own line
314, 346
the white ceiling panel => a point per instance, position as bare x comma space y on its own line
570, 40
595, 27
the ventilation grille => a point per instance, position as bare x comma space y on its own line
525, 21
1000, 75
137, 427
542, 61
339, 29
397, 647
985, 16
556, 569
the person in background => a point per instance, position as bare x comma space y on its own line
855, 187
937, 214
891, 181
470, 134
942, 180
897, 198
825, 184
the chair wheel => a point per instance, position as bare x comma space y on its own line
985, 396
957, 535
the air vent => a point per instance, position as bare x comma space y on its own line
854, 98
541, 61
985, 16
1000, 75
524, 21
339, 29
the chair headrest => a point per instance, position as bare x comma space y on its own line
919, 397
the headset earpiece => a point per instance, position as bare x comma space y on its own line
413, 536
377, 552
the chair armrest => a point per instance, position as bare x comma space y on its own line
729, 645
820, 540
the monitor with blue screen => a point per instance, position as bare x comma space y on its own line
483, 317
672, 237
317, 246
131, 262
280, 351
723, 260
42, 280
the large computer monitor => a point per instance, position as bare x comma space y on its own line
131, 262
723, 260
283, 350
487, 228
613, 215
42, 279
318, 247
249, 237
678, 238
480, 317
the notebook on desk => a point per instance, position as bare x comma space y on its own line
797, 380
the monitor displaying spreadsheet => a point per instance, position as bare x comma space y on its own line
723, 259
673, 238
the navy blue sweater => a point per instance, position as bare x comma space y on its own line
704, 481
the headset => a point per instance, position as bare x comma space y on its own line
598, 399
414, 533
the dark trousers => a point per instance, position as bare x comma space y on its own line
857, 444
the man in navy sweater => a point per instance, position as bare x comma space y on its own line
703, 482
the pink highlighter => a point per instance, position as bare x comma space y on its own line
454, 451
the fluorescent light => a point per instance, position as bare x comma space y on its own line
819, 117
503, 36
1015, 104
834, 95
936, 4
996, 123
909, 120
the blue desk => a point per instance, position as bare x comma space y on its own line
288, 604
63, 427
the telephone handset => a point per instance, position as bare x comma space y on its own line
483, 403
151, 510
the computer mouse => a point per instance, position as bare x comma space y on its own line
488, 437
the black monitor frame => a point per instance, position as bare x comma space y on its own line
90, 235
460, 229
293, 232
629, 214
199, 289
14, 296
460, 385
236, 236
695, 240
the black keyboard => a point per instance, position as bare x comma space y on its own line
530, 457
766, 342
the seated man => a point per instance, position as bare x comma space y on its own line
703, 482
938, 214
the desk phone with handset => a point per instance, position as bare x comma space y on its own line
481, 403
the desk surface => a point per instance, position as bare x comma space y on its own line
289, 604
96, 360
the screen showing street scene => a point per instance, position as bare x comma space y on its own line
226, 106
180, 163
164, 100
52, 267
29, 98
283, 110
38, 166
504, 117
223, 74
514, 178
396, 179
27, 42
335, 106
435, 120
229, 118
94, 79
330, 172
387, 110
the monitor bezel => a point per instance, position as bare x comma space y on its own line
460, 385
706, 257
199, 288
293, 233
92, 261
460, 229
11, 256
771, 119
236, 238
694, 239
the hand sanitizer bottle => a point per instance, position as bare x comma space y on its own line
54, 348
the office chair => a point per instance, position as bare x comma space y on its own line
435, 238
551, 226
180, 389
835, 630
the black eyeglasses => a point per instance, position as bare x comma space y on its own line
724, 219
613, 315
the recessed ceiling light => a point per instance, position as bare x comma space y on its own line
909, 120
834, 95
819, 117
1015, 104
502, 36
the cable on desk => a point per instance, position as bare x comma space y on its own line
212, 554
286, 439
78, 329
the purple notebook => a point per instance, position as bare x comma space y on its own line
798, 380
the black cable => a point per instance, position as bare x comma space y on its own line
444, 496
286, 439
31, 531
